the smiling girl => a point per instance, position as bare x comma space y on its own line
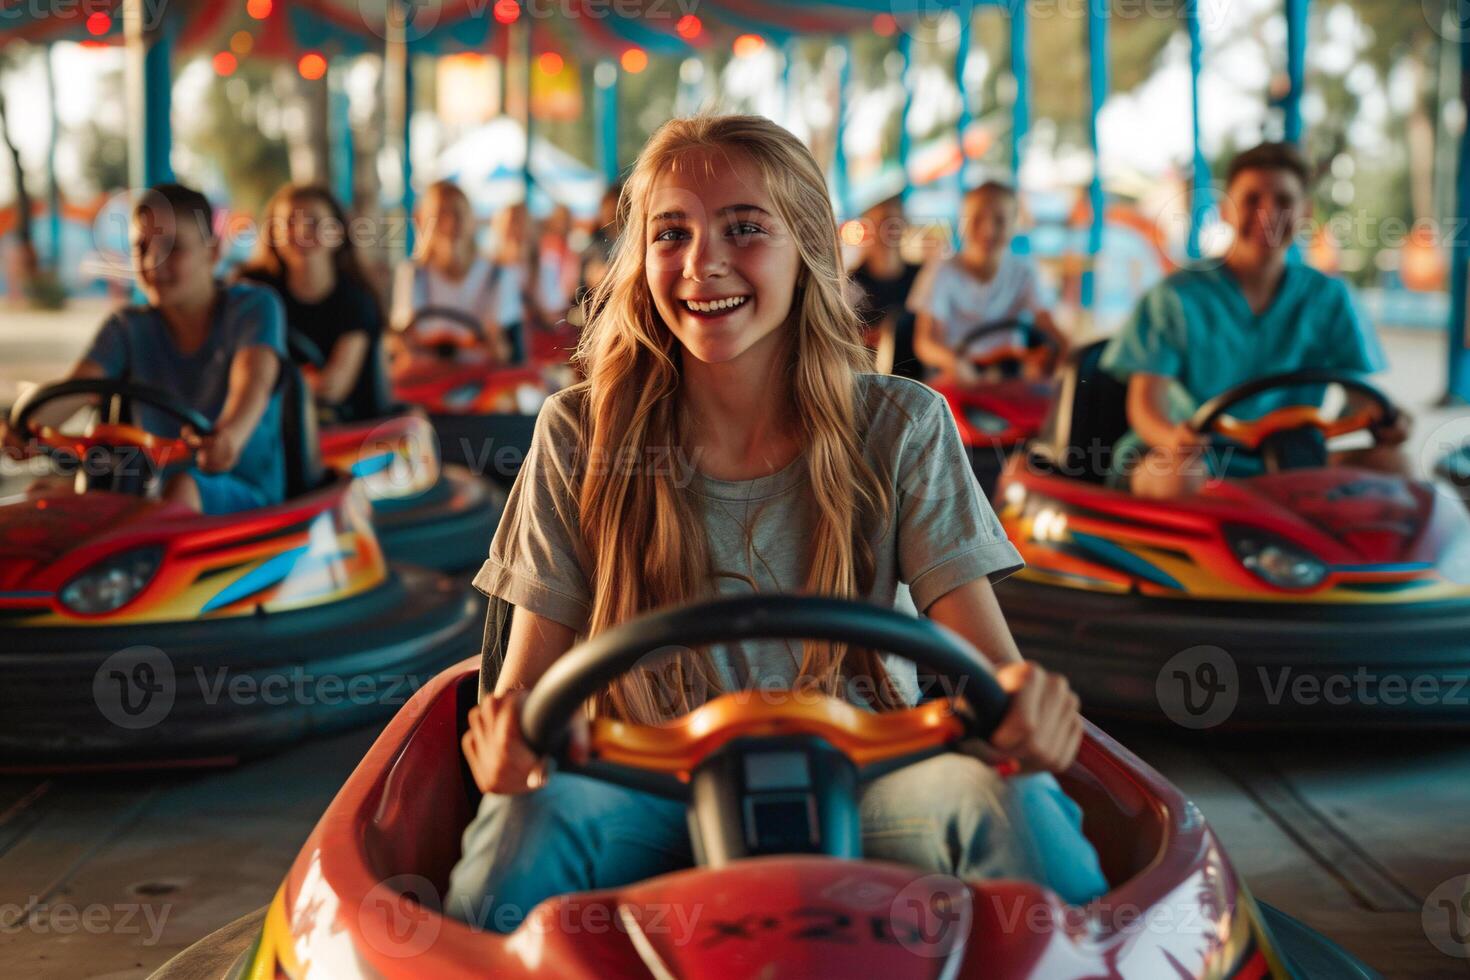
721, 336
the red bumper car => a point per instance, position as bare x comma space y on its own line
997, 416
362, 899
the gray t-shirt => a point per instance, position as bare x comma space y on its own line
941, 534
135, 344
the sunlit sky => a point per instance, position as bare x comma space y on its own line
1143, 132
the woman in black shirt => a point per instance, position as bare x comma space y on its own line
883, 281
305, 253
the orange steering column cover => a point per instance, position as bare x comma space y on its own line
677, 747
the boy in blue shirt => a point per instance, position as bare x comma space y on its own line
1214, 325
217, 347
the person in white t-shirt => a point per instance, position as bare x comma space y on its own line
447, 272
985, 283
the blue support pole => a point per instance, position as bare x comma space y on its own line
398, 103
1199, 197
788, 55
962, 122
1458, 383
407, 161
1020, 105
53, 191
839, 150
1296, 67
527, 57
149, 33
1021, 73
1097, 51
342, 151
605, 82
906, 49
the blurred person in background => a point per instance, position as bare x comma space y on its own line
598, 256
217, 347
1215, 324
986, 283
448, 272
557, 266
511, 260
306, 255
882, 281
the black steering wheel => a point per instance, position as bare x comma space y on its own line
821, 751
116, 441
444, 347
117, 392
1037, 342
1278, 434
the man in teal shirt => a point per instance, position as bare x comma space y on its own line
1218, 324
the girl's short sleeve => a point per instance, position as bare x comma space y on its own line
537, 561
948, 534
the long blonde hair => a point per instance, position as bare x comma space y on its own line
647, 543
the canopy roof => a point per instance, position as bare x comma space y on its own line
288, 28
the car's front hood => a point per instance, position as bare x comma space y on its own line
1375, 518
35, 532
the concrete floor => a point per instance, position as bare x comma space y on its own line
109, 876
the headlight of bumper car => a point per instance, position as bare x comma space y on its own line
111, 583
1276, 561
986, 422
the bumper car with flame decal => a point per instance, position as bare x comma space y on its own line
996, 417
140, 632
425, 513
1310, 594
484, 412
780, 888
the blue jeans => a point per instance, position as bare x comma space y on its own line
950, 814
